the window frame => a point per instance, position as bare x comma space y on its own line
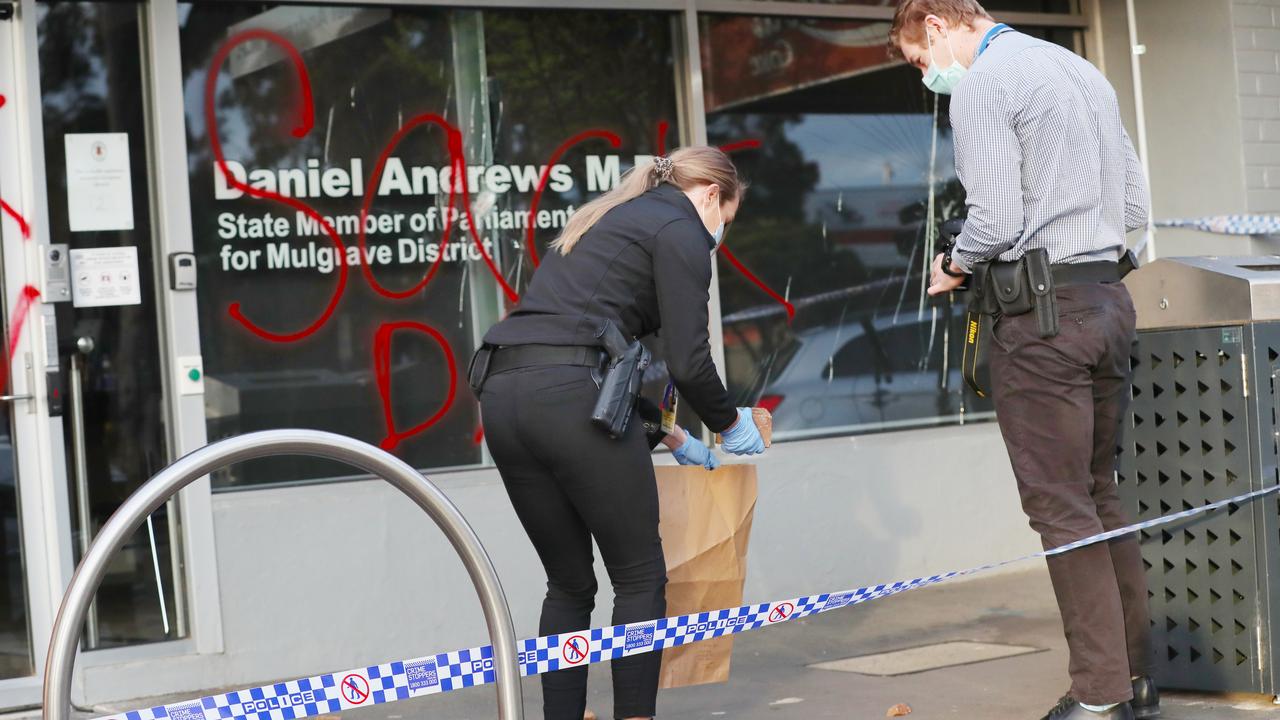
185, 415
692, 121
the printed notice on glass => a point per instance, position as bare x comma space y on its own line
99, 187
105, 276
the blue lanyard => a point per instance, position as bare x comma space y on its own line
991, 35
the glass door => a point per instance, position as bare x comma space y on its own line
97, 168
32, 565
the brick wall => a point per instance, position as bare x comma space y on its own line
1257, 34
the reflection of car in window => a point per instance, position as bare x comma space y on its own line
872, 372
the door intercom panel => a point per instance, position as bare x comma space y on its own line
56, 273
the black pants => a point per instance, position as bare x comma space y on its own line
1060, 402
569, 482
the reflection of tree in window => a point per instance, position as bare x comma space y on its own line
516, 84
837, 214
406, 67
550, 80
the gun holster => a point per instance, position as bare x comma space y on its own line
478, 369
620, 385
1003, 289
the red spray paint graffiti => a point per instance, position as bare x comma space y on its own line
382, 370
27, 298
7, 209
453, 142
25, 301
733, 259
737, 265
741, 145
458, 184
660, 141
613, 139
17, 321
306, 120
512, 296
23, 226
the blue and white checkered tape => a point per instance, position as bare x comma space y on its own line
1228, 224
403, 679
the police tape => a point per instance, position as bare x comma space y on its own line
432, 674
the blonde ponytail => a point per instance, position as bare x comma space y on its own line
635, 182
686, 168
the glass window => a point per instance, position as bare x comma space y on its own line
1032, 6
851, 171
528, 105
1040, 6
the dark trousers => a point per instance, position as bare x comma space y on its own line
1060, 402
569, 482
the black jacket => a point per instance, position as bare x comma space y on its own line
645, 265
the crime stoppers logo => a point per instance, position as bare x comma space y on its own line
187, 711
781, 612
422, 675
639, 637
575, 650
838, 600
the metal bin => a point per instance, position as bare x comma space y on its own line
1203, 427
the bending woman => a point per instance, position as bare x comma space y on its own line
639, 257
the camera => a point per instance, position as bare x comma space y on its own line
948, 231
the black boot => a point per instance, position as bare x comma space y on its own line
1068, 709
1146, 699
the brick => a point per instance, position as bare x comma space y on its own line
1255, 178
1269, 85
1264, 201
1257, 61
1244, 39
1270, 130
1259, 108
1248, 84
1251, 130
1263, 154
1266, 38
1252, 16
1271, 176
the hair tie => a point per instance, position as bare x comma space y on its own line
663, 167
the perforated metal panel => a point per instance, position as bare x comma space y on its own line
1194, 437
1265, 339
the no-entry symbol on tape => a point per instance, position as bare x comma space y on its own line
781, 612
355, 689
575, 649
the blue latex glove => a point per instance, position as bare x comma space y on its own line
744, 437
693, 452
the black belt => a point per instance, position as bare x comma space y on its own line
1088, 273
512, 357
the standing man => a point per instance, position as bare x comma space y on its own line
1052, 180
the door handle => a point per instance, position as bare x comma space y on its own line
10, 398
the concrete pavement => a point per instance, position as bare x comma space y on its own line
772, 677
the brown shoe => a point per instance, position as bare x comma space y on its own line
588, 715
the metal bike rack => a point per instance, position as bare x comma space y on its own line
156, 491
